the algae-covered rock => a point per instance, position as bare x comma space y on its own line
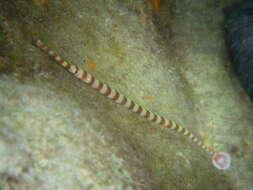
48, 142
58, 133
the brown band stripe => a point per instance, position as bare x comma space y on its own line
108, 91
123, 101
67, 66
55, 55
139, 110
100, 85
61, 61
176, 128
162, 121
147, 114
83, 76
169, 124
155, 118
116, 96
131, 105
183, 130
91, 81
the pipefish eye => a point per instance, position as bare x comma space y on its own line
221, 160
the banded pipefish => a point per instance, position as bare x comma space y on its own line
220, 160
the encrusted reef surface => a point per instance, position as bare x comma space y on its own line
58, 133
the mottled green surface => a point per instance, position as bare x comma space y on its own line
57, 133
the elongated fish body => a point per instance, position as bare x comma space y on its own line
220, 160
